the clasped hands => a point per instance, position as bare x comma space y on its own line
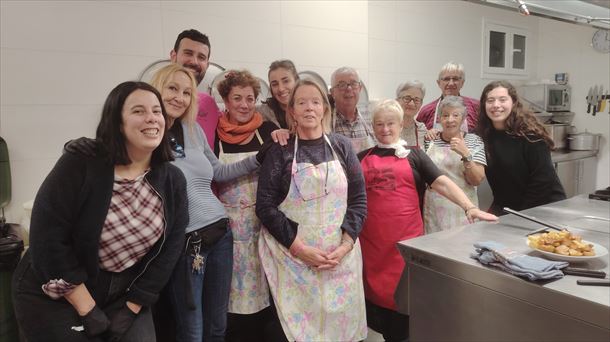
319, 259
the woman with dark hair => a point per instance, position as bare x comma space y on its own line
519, 167
199, 287
282, 79
241, 133
106, 231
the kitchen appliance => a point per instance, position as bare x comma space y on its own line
547, 97
559, 133
584, 141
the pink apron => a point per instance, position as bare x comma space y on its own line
249, 289
316, 305
439, 212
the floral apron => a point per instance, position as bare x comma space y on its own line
316, 305
393, 215
439, 212
249, 289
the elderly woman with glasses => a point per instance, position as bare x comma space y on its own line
395, 176
461, 156
410, 96
311, 200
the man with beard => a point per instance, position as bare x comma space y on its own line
192, 51
346, 119
450, 80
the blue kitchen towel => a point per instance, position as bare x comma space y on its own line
533, 268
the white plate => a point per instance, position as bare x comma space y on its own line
600, 251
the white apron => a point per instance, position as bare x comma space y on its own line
249, 289
316, 305
439, 212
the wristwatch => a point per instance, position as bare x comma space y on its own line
468, 158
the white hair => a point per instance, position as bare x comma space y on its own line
342, 71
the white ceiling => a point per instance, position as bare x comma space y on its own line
588, 12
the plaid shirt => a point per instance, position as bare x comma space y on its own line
358, 128
133, 224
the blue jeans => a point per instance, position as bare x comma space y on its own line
210, 288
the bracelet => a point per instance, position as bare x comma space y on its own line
470, 208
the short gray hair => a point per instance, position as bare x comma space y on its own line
451, 67
388, 105
341, 71
411, 84
453, 102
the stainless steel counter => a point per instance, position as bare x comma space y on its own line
450, 296
559, 156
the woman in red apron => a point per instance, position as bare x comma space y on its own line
311, 201
395, 178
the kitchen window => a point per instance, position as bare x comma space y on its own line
504, 51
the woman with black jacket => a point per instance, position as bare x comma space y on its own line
106, 231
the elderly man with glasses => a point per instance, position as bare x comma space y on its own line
346, 118
450, 80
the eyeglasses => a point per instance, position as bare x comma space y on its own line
406, 99
451, 78
344, 85
177, 148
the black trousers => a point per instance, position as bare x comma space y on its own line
44, 319
393, 325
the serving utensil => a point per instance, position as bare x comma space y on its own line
533, 219
583, 272
594, 282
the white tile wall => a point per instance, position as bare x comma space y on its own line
59, 59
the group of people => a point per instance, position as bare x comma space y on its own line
272, 222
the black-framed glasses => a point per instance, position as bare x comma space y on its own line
343, 85
451, 78
177, 148
406, 99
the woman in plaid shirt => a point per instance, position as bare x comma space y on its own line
106, 231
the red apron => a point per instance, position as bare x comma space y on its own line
393, 215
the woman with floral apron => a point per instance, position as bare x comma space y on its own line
395, 177
240, 135
313, 215
461, 156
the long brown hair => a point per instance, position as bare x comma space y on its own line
520, 122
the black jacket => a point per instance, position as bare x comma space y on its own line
69, 213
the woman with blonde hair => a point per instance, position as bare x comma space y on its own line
311, 200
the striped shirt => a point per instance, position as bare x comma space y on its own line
473, 142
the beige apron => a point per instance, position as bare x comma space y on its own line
439, 212
249, 289
316, 305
